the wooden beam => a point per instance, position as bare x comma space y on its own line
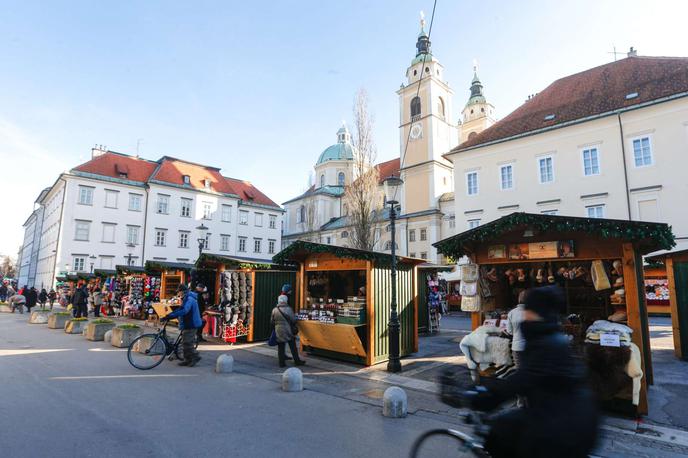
673, 303
252, 305
415, 309
370, 314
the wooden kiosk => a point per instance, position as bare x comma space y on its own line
537, 250
343, 301
172, 274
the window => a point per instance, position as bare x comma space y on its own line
224, 243
242, 244
133, 235
256, 245
452, 221
186, 208
415, 107
423, 235
345, 209
109, 232
341, 178
506, 177
473, 223
273, 221
135, 202
85, 195
322, 180
206, 242
111, 198
79, 262
345, 234
187, 179
388, 245
550, 212
595, 211
226, 213
243, 217
160, 237
163, 204
271, 246
206, 183
82, 230
412, 235
412, 255
642, 151
259, 220
388, 228
183, 239
472, 183
423, 255
546, 169
440, 107
207, 210
301, 215
591, 162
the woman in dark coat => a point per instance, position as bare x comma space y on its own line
31, 297
284, 320
43, 297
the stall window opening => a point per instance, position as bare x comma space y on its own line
595, 211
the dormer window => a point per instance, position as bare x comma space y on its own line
206, 183
123, 175
187, 179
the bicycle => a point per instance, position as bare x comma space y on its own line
149, 350
434, 442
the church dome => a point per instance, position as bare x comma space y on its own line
343, 150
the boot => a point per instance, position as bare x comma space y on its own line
194, 361
186, 362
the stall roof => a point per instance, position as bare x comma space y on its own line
300, 249
131, 269
104, 272
662, 256
236, 261
648, 236
441, 267
166, 265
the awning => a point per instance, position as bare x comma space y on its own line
159, 266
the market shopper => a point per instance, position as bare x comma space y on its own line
17, 301
97, 301
202, 294
561, 418
43, 297
189, 321
52, 296
80, 302
31, 297
3, 292
284, 322
513, 328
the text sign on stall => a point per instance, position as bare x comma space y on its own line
609, 340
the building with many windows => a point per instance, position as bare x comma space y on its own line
117, 209
608, 142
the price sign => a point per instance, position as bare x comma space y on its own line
609, 340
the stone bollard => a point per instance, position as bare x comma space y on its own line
224, 364
108, 336
394, 403
292, 380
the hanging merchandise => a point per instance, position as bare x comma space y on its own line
600, 280
468, 288
469, 272
470, 303
235, 304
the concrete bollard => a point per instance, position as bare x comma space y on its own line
224, 364
108, 336
394, 403
292, 380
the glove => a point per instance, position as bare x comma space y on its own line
165, 319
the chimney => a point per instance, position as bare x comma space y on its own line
632, 52
98, 150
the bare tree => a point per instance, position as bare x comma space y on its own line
8, 268
362, 196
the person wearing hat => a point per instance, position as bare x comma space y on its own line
203, 296
561, 417
189, 321
284, 322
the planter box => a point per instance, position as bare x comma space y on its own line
58, 321
75, 327
5, 308
39, 317
123, 337
96, 331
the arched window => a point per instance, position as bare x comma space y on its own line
388, 245
345, 209
415, 106
345, 234
301, 216
322, 180
472, 134
341, 178
440, 107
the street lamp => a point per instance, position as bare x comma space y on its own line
93, 260
131, 247
202, 237
392, 186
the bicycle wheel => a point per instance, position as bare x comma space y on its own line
445, 442
147, 351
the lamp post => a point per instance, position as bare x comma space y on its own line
202, 237
93, 259
392, 185
131, 247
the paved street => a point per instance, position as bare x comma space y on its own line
65, 396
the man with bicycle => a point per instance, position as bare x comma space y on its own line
189, 319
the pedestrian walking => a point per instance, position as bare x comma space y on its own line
31, 297
189, 321
203, 296
97, 301
284, 322
43, 297
52, 296
17, 301
80, 302
3, 292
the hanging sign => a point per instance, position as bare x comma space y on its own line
609, 340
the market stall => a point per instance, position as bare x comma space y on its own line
127, 290
432, 296
597, 263
242, 294
657, 290
676, 268
164, 278
344, 297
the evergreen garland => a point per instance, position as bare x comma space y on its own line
288, 254
232, 262
658, 236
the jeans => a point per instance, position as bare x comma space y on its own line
281, 353
188, 342
81, 311
96, 311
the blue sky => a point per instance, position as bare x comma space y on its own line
260, 88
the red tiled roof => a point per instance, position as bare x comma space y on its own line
591, 92
248, 192
388, 168
112, 164
173, 170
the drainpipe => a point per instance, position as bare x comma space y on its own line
145, 222
59, 229
625, 167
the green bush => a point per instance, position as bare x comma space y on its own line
102, 321
79, 319
62, 313
129, 326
